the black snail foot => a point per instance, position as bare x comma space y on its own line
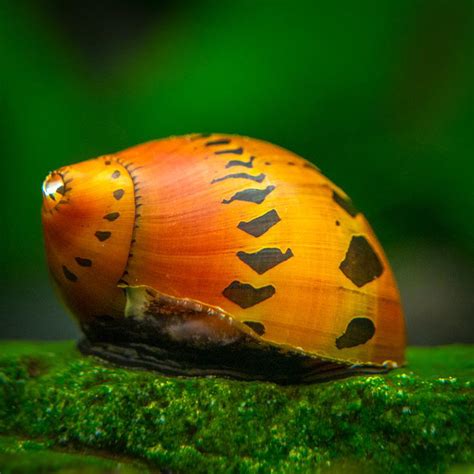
137, 343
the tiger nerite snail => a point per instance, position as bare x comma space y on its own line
219, 254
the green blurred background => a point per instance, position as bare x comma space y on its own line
378, 94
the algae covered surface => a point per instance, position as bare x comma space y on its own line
61, 408
19, 455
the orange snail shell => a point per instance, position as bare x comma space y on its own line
219, 254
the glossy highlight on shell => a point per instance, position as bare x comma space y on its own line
220, 255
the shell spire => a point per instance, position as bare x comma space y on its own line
88, 216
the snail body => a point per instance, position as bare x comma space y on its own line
224, 255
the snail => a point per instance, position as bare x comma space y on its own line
213, 254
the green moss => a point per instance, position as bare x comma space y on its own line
420, 419
19, 455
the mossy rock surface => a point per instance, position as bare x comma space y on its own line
56, 403
19, 455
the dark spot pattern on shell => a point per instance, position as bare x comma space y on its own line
257, 179
361, 264
69, 275
246, 295
264, 259
247, 164
118, 194
235, 151
256, 196
112, 216
103, 235
257, 327
261, 224
358, 331
83, 262
345, 203
220, 141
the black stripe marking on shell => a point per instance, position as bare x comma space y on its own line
358, 331
264, 259
246, 295
112, 216
84, 262
345, 203
235, 151
103, 235
257, 327
251, 195
247, 164
220, 141
258, 178
361, 264
69, 275
260, 225
118, 194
